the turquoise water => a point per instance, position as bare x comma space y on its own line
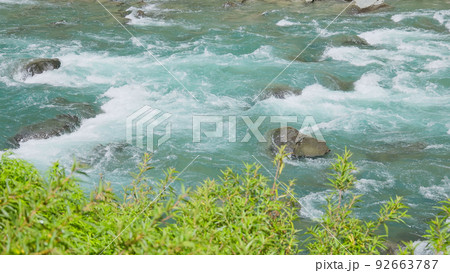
395, 118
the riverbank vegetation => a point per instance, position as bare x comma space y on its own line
240, 213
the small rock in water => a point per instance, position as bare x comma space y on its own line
62, 22
39, 66
279, 92
140, 13
300, 145
349, 40
332, 82
230, 4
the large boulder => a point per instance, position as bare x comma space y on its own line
300, 145
61, 124
39, 66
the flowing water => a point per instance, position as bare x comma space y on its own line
394, 115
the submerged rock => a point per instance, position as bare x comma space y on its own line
280, 92
82, 109
57, 126
388, 152
39, 66
349, 40
427, 24
300, 145
332, 82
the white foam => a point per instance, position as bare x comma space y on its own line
356, 56
286, 23
311, 204
435, 146
403, 83
345, 111
147, 20
17, 2
407, 15
438, 65
385, 36
437, 192
443, 17
369, 86
370, 185
85, 69
8, 81
104, 128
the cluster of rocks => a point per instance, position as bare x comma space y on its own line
60, 124
298, 144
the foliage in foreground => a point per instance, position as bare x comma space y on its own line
437, 234
340, 232
242, 213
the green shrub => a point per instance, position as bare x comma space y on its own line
339, 231
240, 214
437, 235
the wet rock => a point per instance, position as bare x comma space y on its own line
313, 53
58, 23
391, 248
300, 145
230, 4
363, 6
140, 13
39, 66
111, 157
349, 40
332, 82
82, 109
57, 126
280, 92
